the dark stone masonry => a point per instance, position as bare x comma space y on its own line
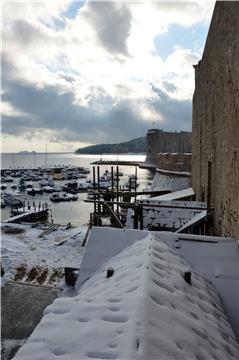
159, 141
215, 136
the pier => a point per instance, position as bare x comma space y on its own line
29, 213
117, 162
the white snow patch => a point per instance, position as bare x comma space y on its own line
144, 311
46, 256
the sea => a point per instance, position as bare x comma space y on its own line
75, 212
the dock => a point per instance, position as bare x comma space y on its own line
28, 216
117, 162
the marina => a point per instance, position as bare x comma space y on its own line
39, 183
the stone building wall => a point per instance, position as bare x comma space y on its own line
174, 162
159, 141
215, 135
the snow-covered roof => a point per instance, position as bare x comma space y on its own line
146, 310
169, 172
175, 195
197, 218
172, 182
169, 214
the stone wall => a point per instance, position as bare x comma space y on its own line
174, 162
215, 136
159, 141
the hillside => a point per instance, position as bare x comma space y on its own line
133, 146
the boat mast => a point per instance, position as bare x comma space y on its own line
46, 156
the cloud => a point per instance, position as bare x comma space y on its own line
111, 22
97, 77
175, 114
46, 109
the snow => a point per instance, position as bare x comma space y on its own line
146, 310
194, 220
211, 256
102, 245
40, 260
167, 217
169, 214
164, 181
169, 172
175, 195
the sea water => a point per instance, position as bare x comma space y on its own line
75, 212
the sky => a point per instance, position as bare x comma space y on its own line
79, 73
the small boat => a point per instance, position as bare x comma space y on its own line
90, 195
48, 181
48, 189
3, 204
12, 193
21, 184
11, 200
83, 170
57, 197
82, 176
33, 191
71, 186
132, 182
3, 186
8, 179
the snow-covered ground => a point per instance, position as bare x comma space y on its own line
29, 257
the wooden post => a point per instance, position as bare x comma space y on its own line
112, 178
141, 219
94, 183
117, 188
114, 216
135, 180
136, 217
98, 186
112, 185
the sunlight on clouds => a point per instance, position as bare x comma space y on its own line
8, 110
102, 57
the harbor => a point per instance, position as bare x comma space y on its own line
119, 181
38, 183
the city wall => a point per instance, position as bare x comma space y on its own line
174, 162
215, 135
159, 141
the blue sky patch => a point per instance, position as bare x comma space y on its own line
73, 9
193, 38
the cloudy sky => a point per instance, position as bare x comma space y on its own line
78, 73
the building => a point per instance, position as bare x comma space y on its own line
215, 135
159, 141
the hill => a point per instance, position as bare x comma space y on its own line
133, 146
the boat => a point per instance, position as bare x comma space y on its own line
47, 181
21, 184
71, 186
48, 189
11, 200
132, 182
8, 179
3, 186
33, 191
3, 203
57, 197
